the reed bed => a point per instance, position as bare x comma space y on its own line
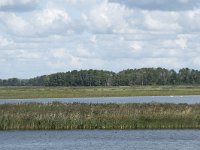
67, 116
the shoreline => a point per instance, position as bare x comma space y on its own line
90, 92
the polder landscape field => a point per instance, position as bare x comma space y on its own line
21, 92
67, 116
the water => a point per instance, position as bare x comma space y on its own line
136, 99
101, 140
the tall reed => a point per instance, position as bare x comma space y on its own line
65, 116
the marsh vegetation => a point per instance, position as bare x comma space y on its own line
75, 92
66, 116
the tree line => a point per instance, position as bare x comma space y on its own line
129, 77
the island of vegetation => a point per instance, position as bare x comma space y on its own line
67, 116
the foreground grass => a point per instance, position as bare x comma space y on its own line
64, 92
63, 116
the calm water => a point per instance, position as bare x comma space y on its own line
136, 99
101, 140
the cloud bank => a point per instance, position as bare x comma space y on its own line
17, 5
42, 37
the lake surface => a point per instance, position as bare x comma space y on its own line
136, 99
101, 140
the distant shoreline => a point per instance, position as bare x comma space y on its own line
96, 91
129, 77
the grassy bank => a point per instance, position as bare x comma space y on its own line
98, 116
64, 92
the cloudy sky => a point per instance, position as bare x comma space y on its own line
44, 36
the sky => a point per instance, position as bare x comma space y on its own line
40, 37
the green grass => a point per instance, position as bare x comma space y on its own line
65, 92
66, 116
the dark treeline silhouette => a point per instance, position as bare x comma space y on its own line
129, 77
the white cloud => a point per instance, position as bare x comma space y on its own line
183, 1
172, 53
22, 55
182, 42
93, 39
190, 20
50, 21
163, 21
15, 24
75, 62
62, 57
3, 41
196, 61
56, 64
136, 46
51, 16
179, 43
107, 17
81, 2
59, 53
82, 52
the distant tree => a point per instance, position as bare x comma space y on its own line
1, 82
173, 77
129, 77
184, 76
14, 82
5, 82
